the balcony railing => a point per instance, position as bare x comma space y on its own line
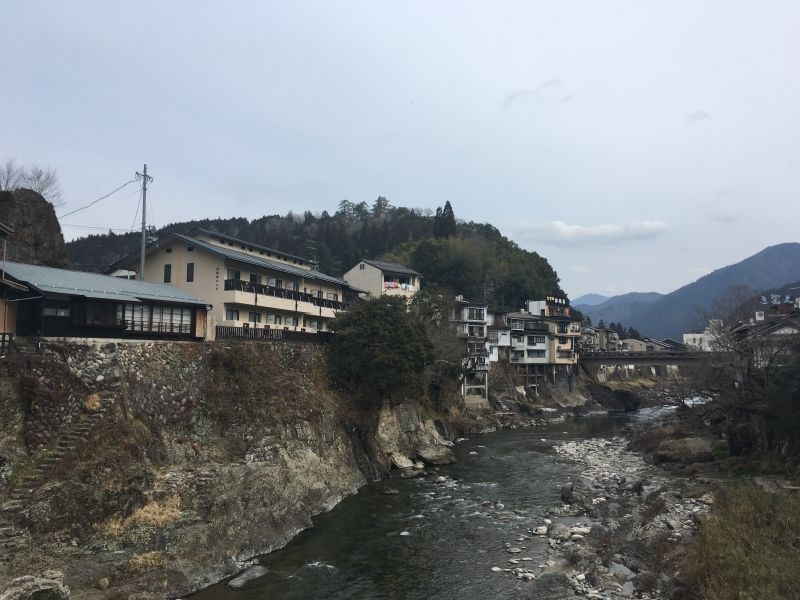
240, 285
225, 332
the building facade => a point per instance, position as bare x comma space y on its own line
472, 321
377, 278
248, 285
48, 302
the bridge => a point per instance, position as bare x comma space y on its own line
595, 363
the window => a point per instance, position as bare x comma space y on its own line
561, 328
535, 339
535, 354
493, 337
167, 273
190, 249
292, 321
234, 274
231, 314
254, 317
319, 294
271, 281
274, 319
333, 296
563, 340
57, 311
278, 283
254, 278
291, 285
475, 314
361, 267
168, 250
189, 272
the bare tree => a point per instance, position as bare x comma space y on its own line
44, 182
11, 175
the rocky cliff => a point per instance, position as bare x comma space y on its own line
154, 469
37, 237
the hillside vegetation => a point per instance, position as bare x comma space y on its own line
468, 258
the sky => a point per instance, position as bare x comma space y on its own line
635, 145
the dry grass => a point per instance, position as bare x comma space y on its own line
153, 514
144, 563
749, 547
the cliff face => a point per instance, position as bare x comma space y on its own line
158, 469
37, 237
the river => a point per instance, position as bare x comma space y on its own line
433, 540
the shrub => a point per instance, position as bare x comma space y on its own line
749, 547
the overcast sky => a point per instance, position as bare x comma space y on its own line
636, 145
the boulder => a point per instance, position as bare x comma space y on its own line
242, 579
49, 586
436, 455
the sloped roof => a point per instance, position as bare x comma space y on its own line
95, 285
229, 238
391, 267
235, 255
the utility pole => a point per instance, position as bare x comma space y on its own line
144, 177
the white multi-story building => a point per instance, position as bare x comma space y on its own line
378, 278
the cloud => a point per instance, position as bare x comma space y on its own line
549, 92
521, 96
560, 233
698, 116
719, 210
722, 214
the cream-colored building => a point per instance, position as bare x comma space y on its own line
563, 329
248, 285
378, 277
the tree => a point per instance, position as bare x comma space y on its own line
11, 175
448, 222
44, 181
380, 350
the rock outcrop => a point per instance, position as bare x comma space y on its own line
37, 237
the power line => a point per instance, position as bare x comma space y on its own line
98, 200
97, 227
136, 214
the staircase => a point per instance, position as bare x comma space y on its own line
12, 535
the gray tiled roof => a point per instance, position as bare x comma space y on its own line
265, 263
391, 267
94, 285
230, 238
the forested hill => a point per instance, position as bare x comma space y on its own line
472, 259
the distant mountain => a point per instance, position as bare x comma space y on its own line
684, 309
618, 308
589, 300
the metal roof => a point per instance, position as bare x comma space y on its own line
265, 263
230, 238
391, 267
94, 285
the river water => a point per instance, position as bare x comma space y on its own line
433, 540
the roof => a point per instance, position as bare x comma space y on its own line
522, 315
391, 267
237, 256
95, 285
257, 261
246, 243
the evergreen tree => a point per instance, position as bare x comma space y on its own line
448, 224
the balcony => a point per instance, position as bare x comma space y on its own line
243, 292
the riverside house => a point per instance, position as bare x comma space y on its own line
378, 277
472, 321
48, 302
255, 291
564, 332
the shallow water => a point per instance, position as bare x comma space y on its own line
433, 540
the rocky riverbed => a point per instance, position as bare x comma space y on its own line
634, 524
